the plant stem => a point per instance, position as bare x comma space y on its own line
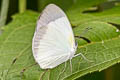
39, 5
22, 6
4, 11
109, 74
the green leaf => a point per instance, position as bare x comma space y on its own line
79, 17
103, 48
64, 4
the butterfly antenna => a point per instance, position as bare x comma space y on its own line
84, 32
13, 62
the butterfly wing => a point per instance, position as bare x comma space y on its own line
53, 38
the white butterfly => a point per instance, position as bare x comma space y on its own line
53, 41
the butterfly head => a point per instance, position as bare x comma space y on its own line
73, 50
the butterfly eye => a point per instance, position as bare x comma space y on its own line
76, 45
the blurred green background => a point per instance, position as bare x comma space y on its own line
11, 7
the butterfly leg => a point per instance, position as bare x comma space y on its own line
80, 54
64, 67
24, 69
71, 65
62, 70
41, 77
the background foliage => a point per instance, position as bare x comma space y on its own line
101, 44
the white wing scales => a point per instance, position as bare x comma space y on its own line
51, 45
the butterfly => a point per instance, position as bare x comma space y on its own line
53, 42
